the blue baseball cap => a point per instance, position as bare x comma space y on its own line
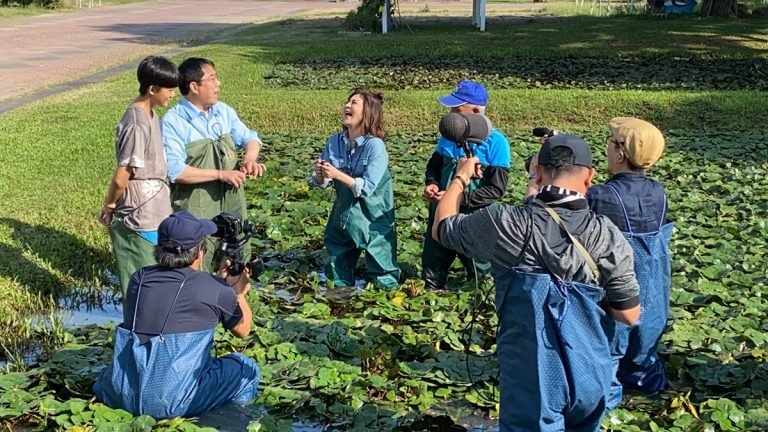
185, 230
467, 92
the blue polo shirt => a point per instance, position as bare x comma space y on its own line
494, 151
644, 200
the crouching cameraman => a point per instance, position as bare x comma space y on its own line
162, 364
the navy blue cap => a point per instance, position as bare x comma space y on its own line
467, 92
185, 230
582, 155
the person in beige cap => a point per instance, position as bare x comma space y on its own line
638, 206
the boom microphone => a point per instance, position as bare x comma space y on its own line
461, 128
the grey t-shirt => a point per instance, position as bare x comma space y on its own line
139, 145
499, 234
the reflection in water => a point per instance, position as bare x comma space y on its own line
98, 308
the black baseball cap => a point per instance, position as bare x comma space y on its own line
582, 155
184, 229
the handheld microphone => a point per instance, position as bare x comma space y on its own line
462, 129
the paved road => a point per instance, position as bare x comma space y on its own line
48, 54
49, 49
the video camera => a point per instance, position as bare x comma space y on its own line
229, 228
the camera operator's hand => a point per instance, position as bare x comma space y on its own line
469, 168
240, 283
252, 168
234, 178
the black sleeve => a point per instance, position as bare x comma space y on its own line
434, 169
492, 187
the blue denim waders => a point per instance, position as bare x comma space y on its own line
636, 362
173, 375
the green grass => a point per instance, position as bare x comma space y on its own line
57, 156
50, 232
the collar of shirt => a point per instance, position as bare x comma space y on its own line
561, 197
357, 143
193, 112
629, 175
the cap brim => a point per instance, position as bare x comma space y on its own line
451, 101
208, 226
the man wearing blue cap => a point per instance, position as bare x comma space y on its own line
162, 364
469, 97
560, 271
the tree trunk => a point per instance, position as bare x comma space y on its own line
723, 8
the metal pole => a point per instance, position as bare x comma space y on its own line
385, 17
482, 15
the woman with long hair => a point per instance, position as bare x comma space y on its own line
355, 162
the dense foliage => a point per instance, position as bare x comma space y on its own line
384, 360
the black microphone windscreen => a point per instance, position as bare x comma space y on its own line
459, 127
541, 132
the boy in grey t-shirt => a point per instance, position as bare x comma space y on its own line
138, 198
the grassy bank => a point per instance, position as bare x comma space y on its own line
388, 356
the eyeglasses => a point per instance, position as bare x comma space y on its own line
210, 78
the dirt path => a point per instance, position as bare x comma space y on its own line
48, 54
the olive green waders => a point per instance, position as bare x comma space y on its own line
131, 250
206, 200
363, 224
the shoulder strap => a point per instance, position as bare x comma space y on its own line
574, 240
623, 208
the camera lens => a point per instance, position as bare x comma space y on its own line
255, 265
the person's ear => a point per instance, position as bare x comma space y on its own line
590, 175
475, 110
539, 176
152, 90
193, 87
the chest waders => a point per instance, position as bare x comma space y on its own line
554, 356
206, 200
131, 251
436, 260
634, 349
173, 375
363, 224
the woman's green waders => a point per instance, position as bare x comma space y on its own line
206, 200
363, 224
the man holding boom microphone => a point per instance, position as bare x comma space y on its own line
560, 273
494, 158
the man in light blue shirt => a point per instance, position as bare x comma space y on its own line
202, 139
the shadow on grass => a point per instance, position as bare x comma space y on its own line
65, 253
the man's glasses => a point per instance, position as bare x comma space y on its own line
211, 78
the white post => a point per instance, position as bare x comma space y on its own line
482, 15
385, 17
